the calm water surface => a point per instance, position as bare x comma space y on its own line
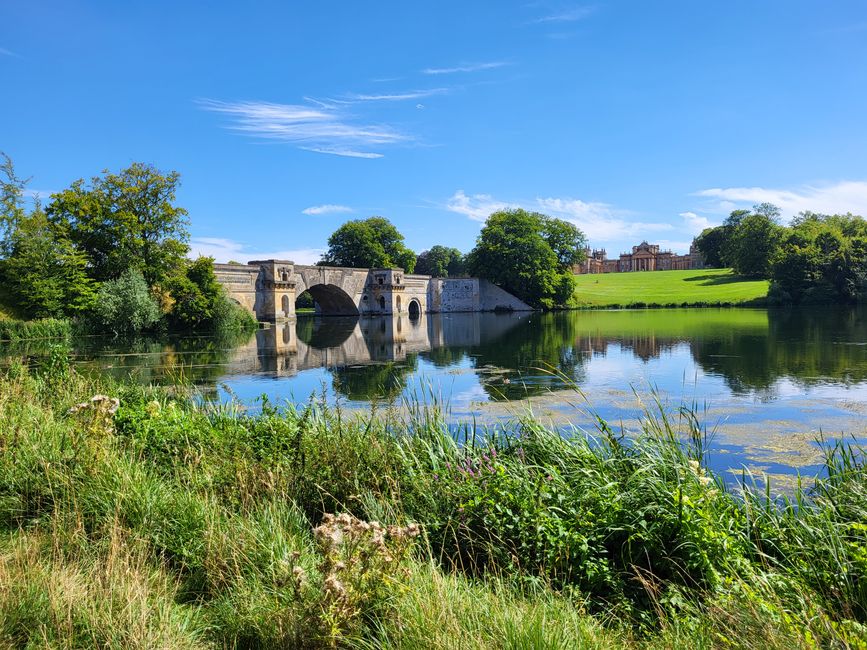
766, 382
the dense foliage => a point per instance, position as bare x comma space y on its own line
529, 255
821, 259
125, 305
816, 259
441, 262
368, 243
199, 301
112, 252
45, 275
136, 518
125, 221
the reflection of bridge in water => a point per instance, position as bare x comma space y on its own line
289, 347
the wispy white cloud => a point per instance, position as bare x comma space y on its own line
833, 198
346, 153
328, 208
695, 223
477, 207
42, 195
397, 97
567, 15
601, 222
5, 52
225, 250
320, 127
466, 67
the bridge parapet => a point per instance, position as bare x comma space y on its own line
269, 288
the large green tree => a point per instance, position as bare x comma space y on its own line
729, 228
441, 262
513, 251
124, 221
565, 239
710, 244
368, 243
754, 244
822, 258
44, 274
11, 201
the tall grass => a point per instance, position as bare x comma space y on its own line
175, 523
48, 328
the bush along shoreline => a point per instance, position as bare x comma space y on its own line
142, 517
48, 328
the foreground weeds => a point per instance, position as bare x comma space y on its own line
135, 517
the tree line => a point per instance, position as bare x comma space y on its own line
817, 258
528, 254
111, 252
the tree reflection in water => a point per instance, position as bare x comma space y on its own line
750, 349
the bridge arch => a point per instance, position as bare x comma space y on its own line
331, 300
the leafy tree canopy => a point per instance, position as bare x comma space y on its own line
565, 239
710, 244
514, 250
125, 221
368, 243
754, 245
199, 301
11, 201
441, 262
44, 274
822, 258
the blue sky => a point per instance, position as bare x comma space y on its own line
636, 120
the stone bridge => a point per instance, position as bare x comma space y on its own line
269, 288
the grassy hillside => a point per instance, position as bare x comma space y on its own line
669, 288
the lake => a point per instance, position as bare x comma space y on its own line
765, 382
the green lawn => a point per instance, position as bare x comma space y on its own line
668, 288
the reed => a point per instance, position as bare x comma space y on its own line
171, 522
49, 328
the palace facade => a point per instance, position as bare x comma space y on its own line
644, 257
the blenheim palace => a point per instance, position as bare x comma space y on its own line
644, 257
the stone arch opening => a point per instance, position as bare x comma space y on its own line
414, 310
284, 305
397, 302
331, 300
304, 303
382, 302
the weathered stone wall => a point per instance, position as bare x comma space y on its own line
493, 298
455, 294
240, 283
